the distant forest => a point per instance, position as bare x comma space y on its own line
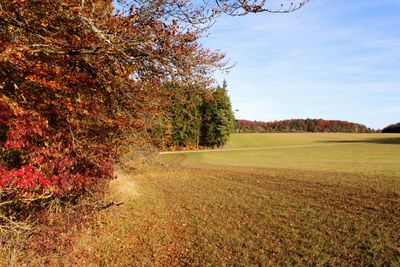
393, 128
300, 125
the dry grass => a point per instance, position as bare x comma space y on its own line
50, 233
206, 211
246, 217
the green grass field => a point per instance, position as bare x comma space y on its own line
303, 199
366, 154
373, 160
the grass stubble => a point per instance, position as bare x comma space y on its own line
203, 210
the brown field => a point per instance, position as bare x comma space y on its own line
304, 199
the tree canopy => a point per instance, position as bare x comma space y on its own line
78, 78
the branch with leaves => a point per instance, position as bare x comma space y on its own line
76, 76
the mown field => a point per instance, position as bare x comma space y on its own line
294, 199
371, 159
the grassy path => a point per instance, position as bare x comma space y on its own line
247, 149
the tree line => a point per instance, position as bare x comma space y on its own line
393, 128
300, 125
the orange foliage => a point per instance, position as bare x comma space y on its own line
75, 76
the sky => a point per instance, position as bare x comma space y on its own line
333, 59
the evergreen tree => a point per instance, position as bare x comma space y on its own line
194, 115
218, 120
187, 119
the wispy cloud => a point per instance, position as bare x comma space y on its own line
334, 58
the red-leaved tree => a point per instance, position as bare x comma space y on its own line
77, 76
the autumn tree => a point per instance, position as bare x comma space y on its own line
78, 77
75, 79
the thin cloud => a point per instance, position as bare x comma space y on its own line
342, 53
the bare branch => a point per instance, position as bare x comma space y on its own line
95, 29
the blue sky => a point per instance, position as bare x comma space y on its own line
334, 59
